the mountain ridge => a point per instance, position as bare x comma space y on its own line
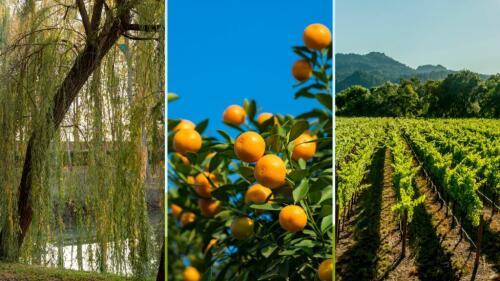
375, 68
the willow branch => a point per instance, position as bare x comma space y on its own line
137, 38
143, 27
84, 15
96, 15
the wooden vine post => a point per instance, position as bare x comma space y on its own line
405, 230
478, 245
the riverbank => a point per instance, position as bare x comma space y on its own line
21, 272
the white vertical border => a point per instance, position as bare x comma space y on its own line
165, 136
334, 136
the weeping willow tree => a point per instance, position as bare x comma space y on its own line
81, 99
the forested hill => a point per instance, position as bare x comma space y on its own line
374, 69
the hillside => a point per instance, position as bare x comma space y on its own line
375, 68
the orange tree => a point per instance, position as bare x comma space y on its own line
259, 206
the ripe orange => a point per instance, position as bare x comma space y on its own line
184, 125
303, 148
325, 270
249, 147
270, 171
242, 228
234, 114
187, 218
302, 70
187, 141
210, 244
292, 218
208, 207
176, 210
263, 117
202, 185
257, 193
317, 36
191, 274
190, 180
183, 158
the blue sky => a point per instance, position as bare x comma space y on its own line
220, 52
459, 34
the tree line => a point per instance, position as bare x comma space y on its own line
461, 94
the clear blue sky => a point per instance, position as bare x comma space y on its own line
220, 52
459, 34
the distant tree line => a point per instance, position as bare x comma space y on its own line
460, 94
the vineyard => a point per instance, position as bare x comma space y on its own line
417, 199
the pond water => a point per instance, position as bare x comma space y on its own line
83, 256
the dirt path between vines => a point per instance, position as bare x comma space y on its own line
369, 247
441, 254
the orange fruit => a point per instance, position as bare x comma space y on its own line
183, 158
317, 36
187, 218
191, 274
249, 147
208, 207
210, 244
187, 140
325, 270
303, 148
257, 193
242, 228
202, 185
302, 70
292, 218
234, 114
270, 171
176, 210
263, 117
190, 180
184, 125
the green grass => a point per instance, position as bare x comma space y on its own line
21, 272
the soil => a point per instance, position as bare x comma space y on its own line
369, 246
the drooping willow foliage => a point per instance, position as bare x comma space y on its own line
98, 184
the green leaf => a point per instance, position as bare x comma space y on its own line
193, 157
305, 243
215, 161
326, 100
300, 192
268, 250
200, 128
172, 97
250, 108
222, 193
266, 206
288, 252
297, 129
225, 136
207, 276
326, 223
235, 127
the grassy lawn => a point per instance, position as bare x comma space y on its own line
21, 272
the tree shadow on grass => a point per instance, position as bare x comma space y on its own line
359, 262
